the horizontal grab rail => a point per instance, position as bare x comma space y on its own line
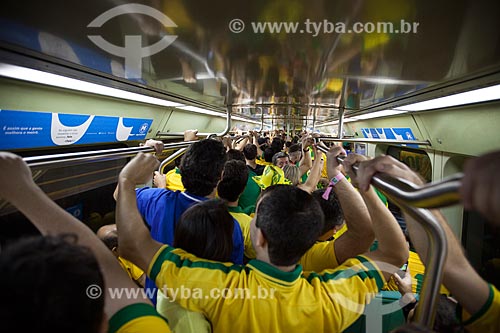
367, 140
67, 159
181, 134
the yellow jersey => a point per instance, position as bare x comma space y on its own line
244, 222
319, 257
258, 297
137, 318
132, 270
173, 180
487, 319
417, 271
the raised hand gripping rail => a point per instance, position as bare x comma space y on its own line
408, 198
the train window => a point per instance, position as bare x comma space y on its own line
416, 159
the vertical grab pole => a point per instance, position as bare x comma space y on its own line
434, 265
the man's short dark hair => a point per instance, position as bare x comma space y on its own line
331, 209
44, 282
250, 151
293, 148
268, 155
291, 221
234, 180
206, 230
235, 154
201, 166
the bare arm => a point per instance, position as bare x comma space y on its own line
315, 175
19, 189
459, 277
305, 163
392, 248
256, 143
480, 191
242, 143
134, 241
158, 146
359, 235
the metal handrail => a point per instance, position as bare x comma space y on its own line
388, 141
434, 266
68, 159
180, 134
169, 159
433, 195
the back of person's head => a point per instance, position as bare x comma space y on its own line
206, 230
109, 236
250, 151
277, 145
331, 209
233, 182
44, 282
262, 141
235, 154
268, 155
292, 173
446, 319
294, 148
201, 166
290, 220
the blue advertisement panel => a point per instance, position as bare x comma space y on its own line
402, 134
26, 129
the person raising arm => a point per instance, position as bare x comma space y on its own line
125, 314
476, 296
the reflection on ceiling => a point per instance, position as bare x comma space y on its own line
295, 78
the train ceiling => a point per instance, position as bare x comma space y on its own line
193, 49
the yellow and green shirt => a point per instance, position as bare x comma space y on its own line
173, 179
319, 257
244, 222
258, 297
137, 318
487, 319
417, 271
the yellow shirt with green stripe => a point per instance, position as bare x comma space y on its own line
487, 319
173, 180
137, 318
417, 271
319, 257
244, 222
132, 270
272, 300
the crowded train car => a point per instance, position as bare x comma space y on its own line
262, 166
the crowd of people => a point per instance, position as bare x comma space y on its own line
250, 234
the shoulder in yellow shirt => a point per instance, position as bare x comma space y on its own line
138, 318
319, 257
248, 298
244, 222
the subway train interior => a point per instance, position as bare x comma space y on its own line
83, 84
